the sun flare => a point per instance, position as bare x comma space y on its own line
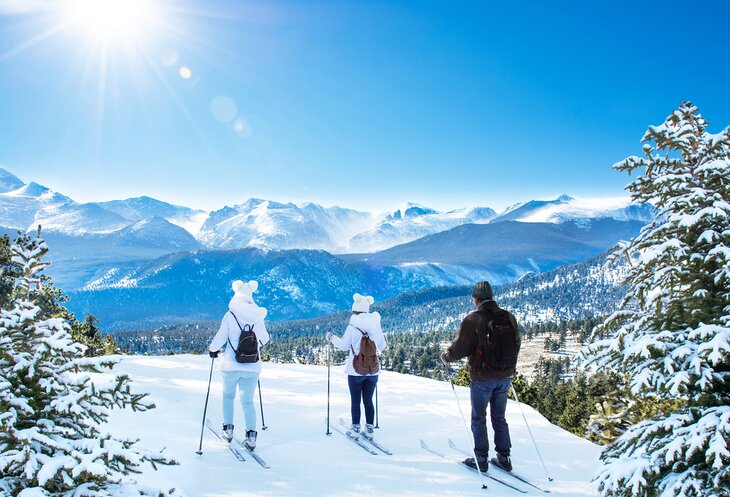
112, 20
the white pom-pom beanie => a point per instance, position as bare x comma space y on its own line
362, 303
244, 290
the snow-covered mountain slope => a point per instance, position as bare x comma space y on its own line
411, 222
566, 208
77, 219
267, 224
140, 208
9, 181
305, 461
18, 208
156, 232
82, 233
504, 251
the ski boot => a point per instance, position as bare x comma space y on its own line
483, 464
250, 442
503, 462
227, 433
368, 432
354, 431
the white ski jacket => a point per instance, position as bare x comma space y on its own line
246, 313
369, 322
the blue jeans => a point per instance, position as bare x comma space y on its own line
362, 387
246, 382
494, 394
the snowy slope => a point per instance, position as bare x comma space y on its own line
411, 222
505, 250
268, 224
9, 181
18, 207
139, 208
306, 462
565, 208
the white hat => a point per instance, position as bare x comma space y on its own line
362, 302
245, 290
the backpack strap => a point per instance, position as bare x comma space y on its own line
239, 327
364, 333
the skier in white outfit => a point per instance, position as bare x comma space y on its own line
243, 312
362, 387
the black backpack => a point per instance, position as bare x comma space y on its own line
499, 342
248, 345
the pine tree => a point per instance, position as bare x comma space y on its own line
50, 301
671, 333
51, 412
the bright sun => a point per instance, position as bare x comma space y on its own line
111, 20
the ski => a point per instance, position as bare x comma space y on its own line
253, 454
461, 463
230, 446
371, 442
518, 477
498, 480
354, 440
510, 473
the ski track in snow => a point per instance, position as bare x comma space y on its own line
306, 462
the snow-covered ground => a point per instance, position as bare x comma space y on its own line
306, 462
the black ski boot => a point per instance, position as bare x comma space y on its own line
483, 464
503, 462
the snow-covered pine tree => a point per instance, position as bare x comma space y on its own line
672, 330
52, 439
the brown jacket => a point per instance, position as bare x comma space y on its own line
465, 343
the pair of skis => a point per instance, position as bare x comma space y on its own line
491, 477
236, 447
365, 443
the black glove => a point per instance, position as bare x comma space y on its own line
214, 354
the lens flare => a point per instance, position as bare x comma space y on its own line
107, 20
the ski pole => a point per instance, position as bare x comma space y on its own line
205, 409
376, 406
328, 389
468, 433
261, 403
514, 392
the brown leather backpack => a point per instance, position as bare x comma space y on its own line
366, 361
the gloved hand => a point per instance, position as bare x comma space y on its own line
442, 359
214, 354
329, 336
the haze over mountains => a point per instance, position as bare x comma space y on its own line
268, 224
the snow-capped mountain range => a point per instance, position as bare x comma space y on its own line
263, 223
89, 230
113, 256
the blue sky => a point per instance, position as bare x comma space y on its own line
360, 104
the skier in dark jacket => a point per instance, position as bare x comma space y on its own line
490, 382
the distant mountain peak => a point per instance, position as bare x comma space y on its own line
411, 210
564, 198
32, 189
9, 181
